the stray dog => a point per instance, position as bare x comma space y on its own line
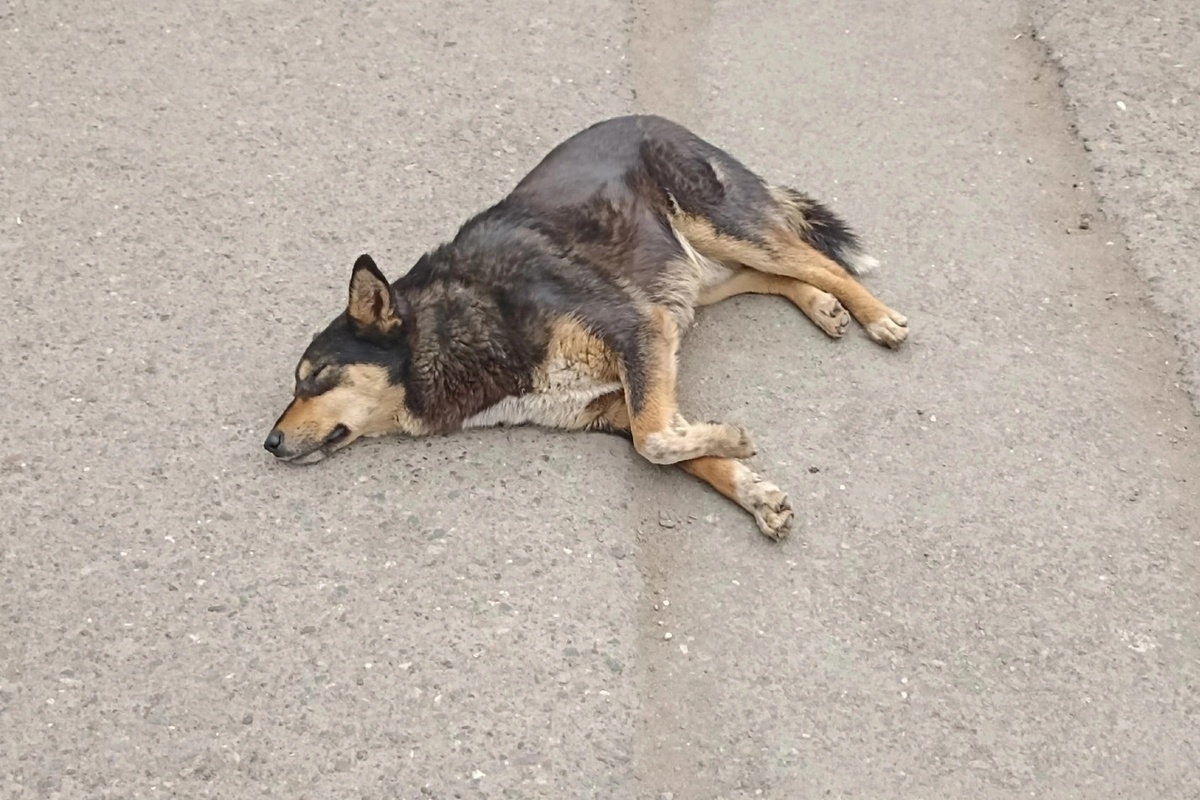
563, 306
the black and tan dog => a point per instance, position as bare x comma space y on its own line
563, 306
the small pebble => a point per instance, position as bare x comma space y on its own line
665, 521
668, 636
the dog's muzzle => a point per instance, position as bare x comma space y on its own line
277, 445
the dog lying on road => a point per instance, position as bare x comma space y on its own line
563, 306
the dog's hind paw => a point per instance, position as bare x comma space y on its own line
890, 331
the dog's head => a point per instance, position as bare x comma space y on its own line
349, 382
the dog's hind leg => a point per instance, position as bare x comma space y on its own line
791, 257
660, 433
769, 505
730, 215
821, 307
780, 251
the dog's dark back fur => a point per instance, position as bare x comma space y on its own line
586, 233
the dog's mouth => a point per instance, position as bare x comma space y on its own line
326, 448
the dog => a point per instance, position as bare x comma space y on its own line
563, 306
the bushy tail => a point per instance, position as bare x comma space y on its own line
824, 230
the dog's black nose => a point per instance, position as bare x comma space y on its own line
273, 441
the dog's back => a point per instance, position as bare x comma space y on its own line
645, 199
596, 198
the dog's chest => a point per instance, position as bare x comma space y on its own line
577, 370
561, 396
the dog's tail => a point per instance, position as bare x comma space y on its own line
824, 230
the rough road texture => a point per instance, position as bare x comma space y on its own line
990, 591
1133, 86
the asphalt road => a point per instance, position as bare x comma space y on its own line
1132, 86
990, 590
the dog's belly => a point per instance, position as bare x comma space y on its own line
559, 407
577, 370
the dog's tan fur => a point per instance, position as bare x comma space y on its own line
578, 369
788, 256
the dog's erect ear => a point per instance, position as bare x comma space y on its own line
372, 303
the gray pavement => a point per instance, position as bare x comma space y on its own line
990, 590
1132, 86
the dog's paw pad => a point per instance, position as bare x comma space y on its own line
771, 508
830, 316
769, 505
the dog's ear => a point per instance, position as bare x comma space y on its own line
373, 305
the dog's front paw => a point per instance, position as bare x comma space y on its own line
830, 316
770, 506
738, 442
